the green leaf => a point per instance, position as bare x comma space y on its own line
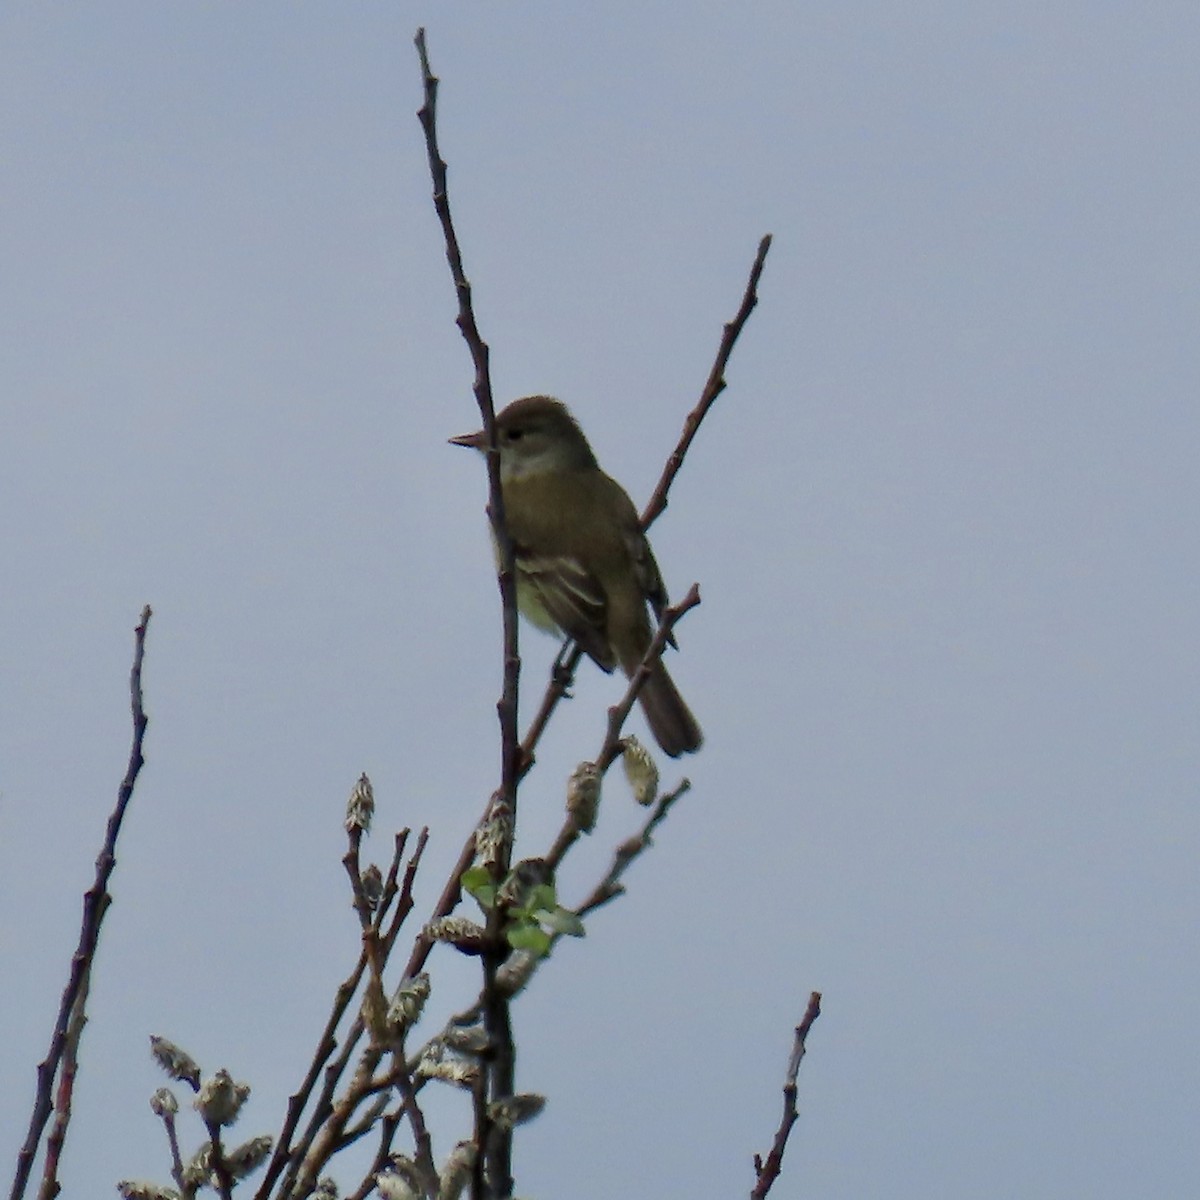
529, 937
477, 882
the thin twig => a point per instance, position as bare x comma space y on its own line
495, 1172
366, 1122
561, 678
416, 1118
387, 1133
222, 1176
767, 1172
167, 1116
483, 395
610, 887
326, 1045
404, 905
68, 1026
312, 1154
66, 1086
713, 387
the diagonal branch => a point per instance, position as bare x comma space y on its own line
68, 1028
610, 887
713, 387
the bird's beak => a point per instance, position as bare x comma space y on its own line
476, 441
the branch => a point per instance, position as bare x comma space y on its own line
714, 386
68, 1028
561, 677
222, 1176
507, 706
610, 887
767, 1172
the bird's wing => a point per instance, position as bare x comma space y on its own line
648, 573
646, 569
573, 600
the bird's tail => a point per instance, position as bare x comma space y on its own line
670, 719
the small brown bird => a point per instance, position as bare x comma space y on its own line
584, 566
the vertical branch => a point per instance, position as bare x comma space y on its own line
494, 1172
68, 1028
427, 115
767, 1171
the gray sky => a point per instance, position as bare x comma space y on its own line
943, 521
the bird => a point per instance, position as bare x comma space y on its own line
584, 568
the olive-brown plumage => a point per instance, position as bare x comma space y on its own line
584, 566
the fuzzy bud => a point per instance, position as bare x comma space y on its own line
139, 1189
462, 934
375, 1011
372, 886
467, 1039
163, 1103
360, 808
516, 971
394, 1184
447, 1068
583, 796
249, 1155
494, 834
456, 1172
177, 1063
640, 770
220, 1099
516, 1110
197, 1171
409, 1000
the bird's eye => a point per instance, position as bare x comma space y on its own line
514, 435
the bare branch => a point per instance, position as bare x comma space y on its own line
218, 1163
507, 706
610, 887
68, 1028
767, 1172
714, 386
387, 1133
